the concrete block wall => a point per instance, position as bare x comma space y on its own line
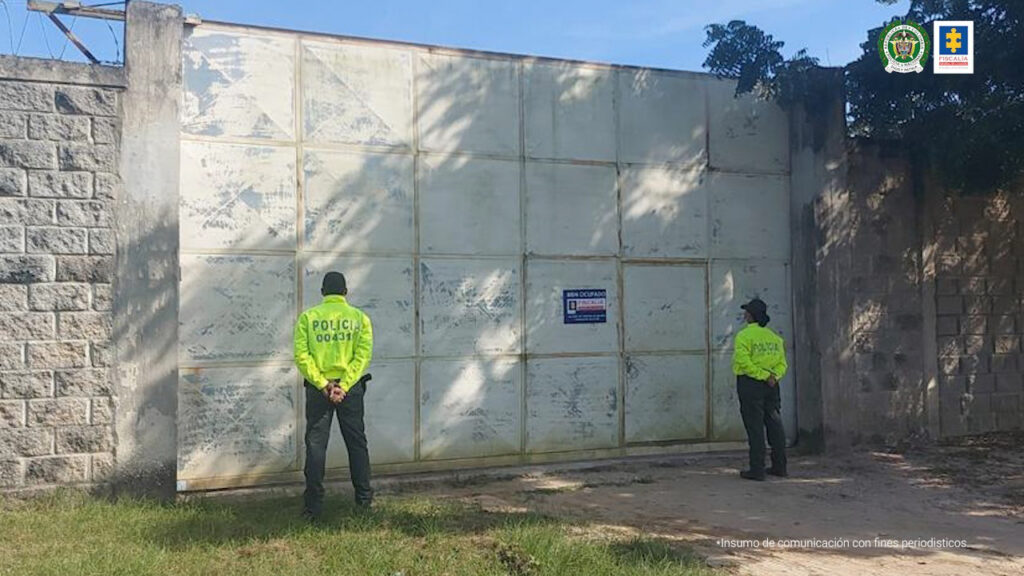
979, 287
58, 182
881, 392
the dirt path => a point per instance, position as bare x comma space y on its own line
972, 492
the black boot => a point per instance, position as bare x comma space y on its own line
751, 475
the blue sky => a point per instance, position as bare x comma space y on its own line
661, 33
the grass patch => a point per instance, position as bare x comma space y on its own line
72, 533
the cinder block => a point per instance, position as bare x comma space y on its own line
57, 470
86, 101
12, 239
12, 125
108, 187
977, 305
12, 182
977, 344
1002, 325
102, 411
1007, 344
973, 286
26, 212
84, 439
86, 157
58, 412
102, 297
975, 364
85, 269
85, 326
950, 305
57, 355
49, 184
26, 326
106, 130
973, 325
102, 242
946, 326
59, 297
1008, 382
87, 213
58, 128
13, 298
946, 287
83, 383
24, 385
981, 383
25, 442
1004, 363
24, 96
12, 356
52, 240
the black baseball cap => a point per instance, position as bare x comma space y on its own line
758, 309
334, 283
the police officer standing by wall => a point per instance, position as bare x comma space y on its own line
759, 363
333, 347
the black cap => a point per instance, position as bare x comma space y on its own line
758, 309
334, 283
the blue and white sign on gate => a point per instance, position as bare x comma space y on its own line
585, 306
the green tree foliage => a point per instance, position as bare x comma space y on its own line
970, 128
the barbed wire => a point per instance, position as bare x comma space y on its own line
17, 41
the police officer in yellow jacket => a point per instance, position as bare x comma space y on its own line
333, 347
759, 363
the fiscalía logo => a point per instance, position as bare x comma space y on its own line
954, 47
904, 47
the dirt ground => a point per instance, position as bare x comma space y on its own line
969, 490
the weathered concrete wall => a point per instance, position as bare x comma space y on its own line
462, 193
979, 285
146, 298
59, 141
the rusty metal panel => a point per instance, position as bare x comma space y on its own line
572, 404
356, 94
237, 197
664, 212
469, 407
665, 398
749, 216
546, 332
734, 283
569, 111
469, 206
662, 117
467, 104
389, 406
747, 134
666, 307
238, 85
358, 202
234, 421
726, 422
469, 307
380, 287
236, 308
571, 210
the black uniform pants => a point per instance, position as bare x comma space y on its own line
760, 406
319, 413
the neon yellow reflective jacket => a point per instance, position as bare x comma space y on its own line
333, 341
759, 352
